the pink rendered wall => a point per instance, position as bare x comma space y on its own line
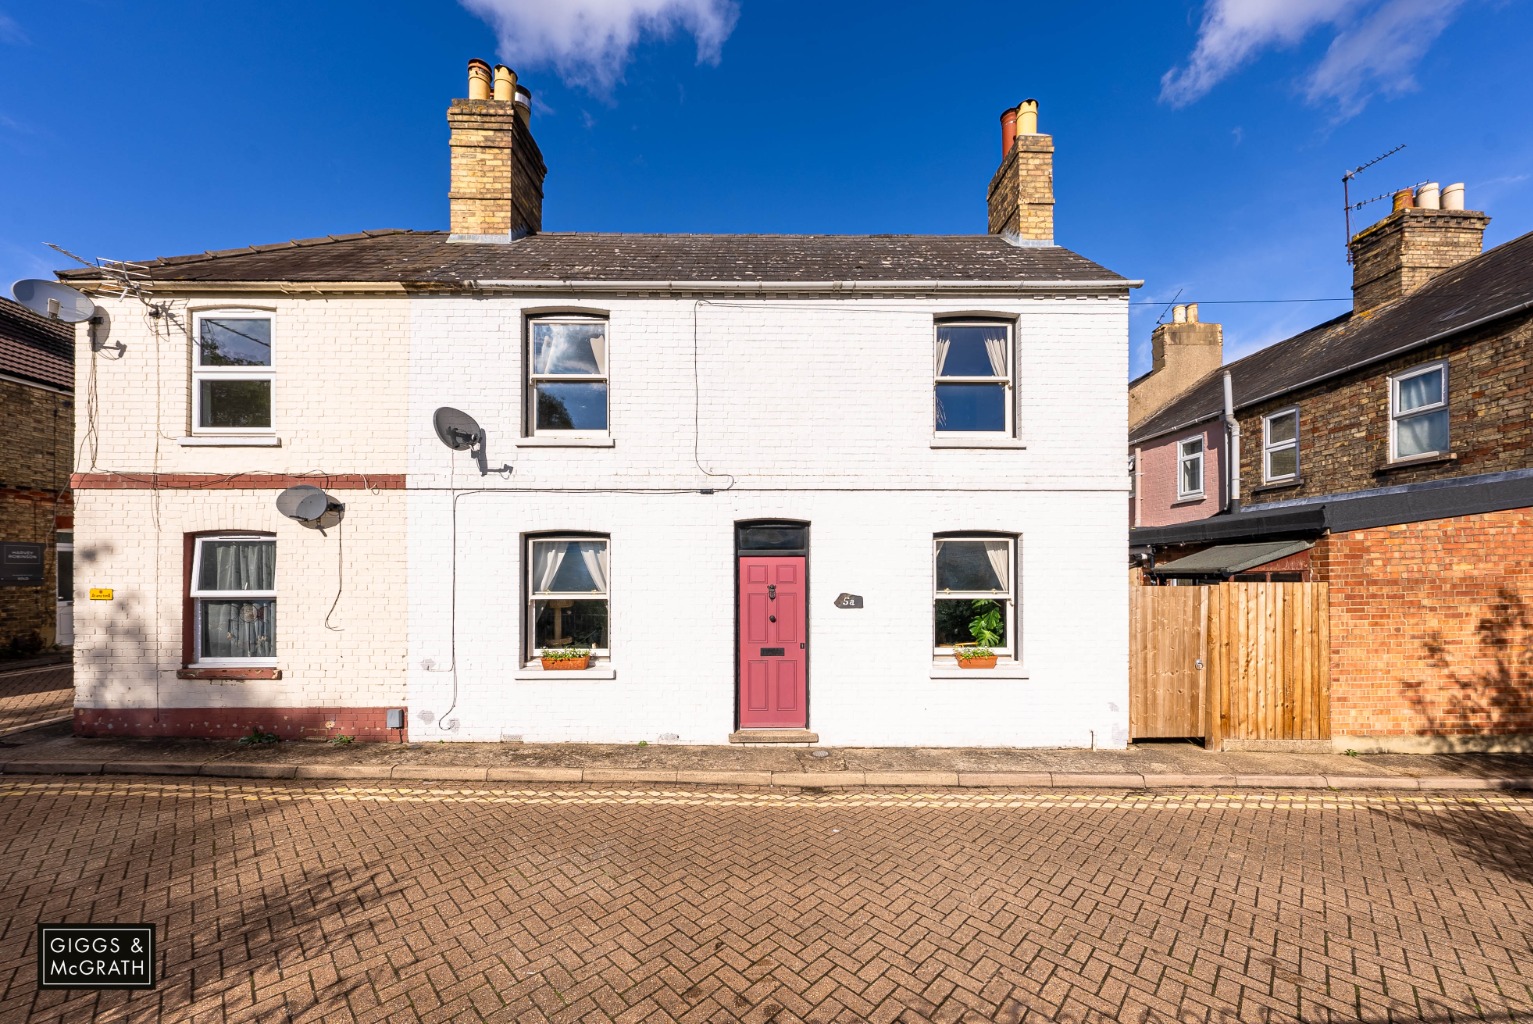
1155, 502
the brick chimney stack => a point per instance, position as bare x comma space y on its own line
496, 192
1183, 352
1426, 233
1022, 191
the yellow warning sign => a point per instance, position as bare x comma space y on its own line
100, 593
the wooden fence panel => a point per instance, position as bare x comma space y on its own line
1238, 661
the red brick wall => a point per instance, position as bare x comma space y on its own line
362, 724
36, 437
1432, 626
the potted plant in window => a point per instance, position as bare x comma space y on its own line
566, 658
985, 628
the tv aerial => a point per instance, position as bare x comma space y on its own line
310, 506
1346, 193
53, 300
462, 433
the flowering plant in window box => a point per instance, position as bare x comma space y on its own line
566, 658
974, 656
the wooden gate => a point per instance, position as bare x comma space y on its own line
1237, 661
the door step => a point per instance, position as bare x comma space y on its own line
774, 736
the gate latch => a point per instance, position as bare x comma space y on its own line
1200, 663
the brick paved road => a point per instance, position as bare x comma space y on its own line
35, 695
279, 901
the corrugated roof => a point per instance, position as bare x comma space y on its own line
1491, 283
36, 348
428, 257
1228, 558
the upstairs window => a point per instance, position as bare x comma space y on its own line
1189, 468
567, 377
975, 596
232, 378
567, 600
973, 379
1418, 412
234, 599
1280, 447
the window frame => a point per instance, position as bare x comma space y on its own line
533, 378
1008, 381
1009, 596
1269, 447
198, 597
1396, 416
531, 596
1182, 458
199, 373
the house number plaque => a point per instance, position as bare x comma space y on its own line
849, 601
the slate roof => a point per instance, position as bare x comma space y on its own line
427, 257
1491, 283
35, 348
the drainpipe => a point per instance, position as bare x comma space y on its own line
1231, 448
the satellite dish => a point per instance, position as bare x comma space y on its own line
53, 300
310, 506
458, 430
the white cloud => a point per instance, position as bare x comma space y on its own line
589, 42
10, 32
1375, 47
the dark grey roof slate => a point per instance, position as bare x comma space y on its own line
1486, 285
34, 347
427, 257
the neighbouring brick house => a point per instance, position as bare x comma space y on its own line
1389, 453
37, 424
769, 481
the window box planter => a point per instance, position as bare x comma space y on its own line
975, 657
568, 661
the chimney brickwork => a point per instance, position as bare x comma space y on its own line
1405, 250
1182, 354
497, 170
1021, 198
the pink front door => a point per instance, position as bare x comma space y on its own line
773, 653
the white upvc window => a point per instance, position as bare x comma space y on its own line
567, 376
234, 599
974, 379
233, 377
974, 598
1280, 446
568, 604
1189, 468
1418, 412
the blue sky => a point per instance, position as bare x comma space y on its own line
1199, 144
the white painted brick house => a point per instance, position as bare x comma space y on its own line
769, 481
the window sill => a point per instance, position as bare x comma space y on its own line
545, 441
947, 668
1418, 460
231, 441
1278, 485
978, 442
537, 671
1191, 499
230, 672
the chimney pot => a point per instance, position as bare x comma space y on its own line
1192, 312
1179, 314
1429, 196
1453, 196
1008, 131
505, 83
1027, 117
478, 80
1404, 199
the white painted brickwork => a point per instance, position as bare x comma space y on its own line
821, 410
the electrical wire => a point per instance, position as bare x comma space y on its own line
340, 575
697, 406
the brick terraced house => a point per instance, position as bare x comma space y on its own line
1388, 453
768, 482
37, 424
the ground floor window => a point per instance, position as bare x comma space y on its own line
234, 599
567, 599
975, 597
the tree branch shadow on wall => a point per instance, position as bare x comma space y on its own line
1464, 710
